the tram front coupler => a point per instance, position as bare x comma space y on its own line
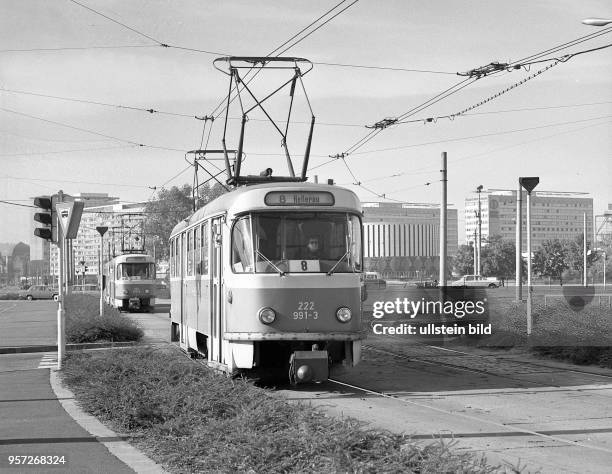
308, 366
134, 304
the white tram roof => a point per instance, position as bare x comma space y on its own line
252, 198
134, 258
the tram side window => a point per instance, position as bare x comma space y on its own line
242, 248
197, 245
171, 257
204, 249
189, 253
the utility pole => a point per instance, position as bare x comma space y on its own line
61, 315
478, 190
443, 236
529, 184
475, 254
519, 244
584, 252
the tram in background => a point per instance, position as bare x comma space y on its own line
129, 282
250, 291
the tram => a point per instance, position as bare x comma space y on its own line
128, 282
268, 277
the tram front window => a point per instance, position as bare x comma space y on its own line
298, 242
135, 271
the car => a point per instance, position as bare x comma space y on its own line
373, 280
476, 281
39, 292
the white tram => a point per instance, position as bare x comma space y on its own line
250, 289
129, 282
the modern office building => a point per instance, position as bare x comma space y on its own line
125, 234
554, 215
402, 240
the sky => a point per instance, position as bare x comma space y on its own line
555, 125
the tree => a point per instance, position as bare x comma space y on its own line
550, 259
168, 209
498, 258
574, 251
463, 262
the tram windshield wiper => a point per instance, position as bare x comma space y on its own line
280, 272
331, 271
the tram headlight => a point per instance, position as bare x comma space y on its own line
266, 315
343, 314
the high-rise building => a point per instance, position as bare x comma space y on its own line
124, 235
554, 215
402, 240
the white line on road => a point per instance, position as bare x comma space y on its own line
48, 361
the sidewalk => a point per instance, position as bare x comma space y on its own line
34, 422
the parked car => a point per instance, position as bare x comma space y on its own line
427, 284
373, 280
39, 292
476, 281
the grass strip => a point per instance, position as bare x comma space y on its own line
191, 419
84, 324
559, 331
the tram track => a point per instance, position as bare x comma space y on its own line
461, 367
509, 429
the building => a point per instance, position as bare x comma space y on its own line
402, 240
125, 234
603, 228
554, 215
43, 255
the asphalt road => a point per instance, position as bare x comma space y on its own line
28, 323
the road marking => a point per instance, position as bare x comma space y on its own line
48, 361
8, 308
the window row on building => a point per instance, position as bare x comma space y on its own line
401, 240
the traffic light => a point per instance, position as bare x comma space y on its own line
48, 218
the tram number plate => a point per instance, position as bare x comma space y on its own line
306, 310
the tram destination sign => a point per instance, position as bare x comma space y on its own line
299, 198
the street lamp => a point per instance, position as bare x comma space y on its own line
529, 184
596, 21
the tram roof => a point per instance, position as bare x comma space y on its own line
252, 197
133, 257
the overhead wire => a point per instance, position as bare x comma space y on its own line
59, 152
76, 48
84, 130
96, 12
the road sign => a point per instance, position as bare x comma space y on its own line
69, 217
529, 183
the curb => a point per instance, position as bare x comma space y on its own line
122, 450
69, 347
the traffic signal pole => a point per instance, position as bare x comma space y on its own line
61, 314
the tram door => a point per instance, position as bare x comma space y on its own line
216, 316
182, 271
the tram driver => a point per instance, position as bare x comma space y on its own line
313, 248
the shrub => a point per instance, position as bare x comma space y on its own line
84, 324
